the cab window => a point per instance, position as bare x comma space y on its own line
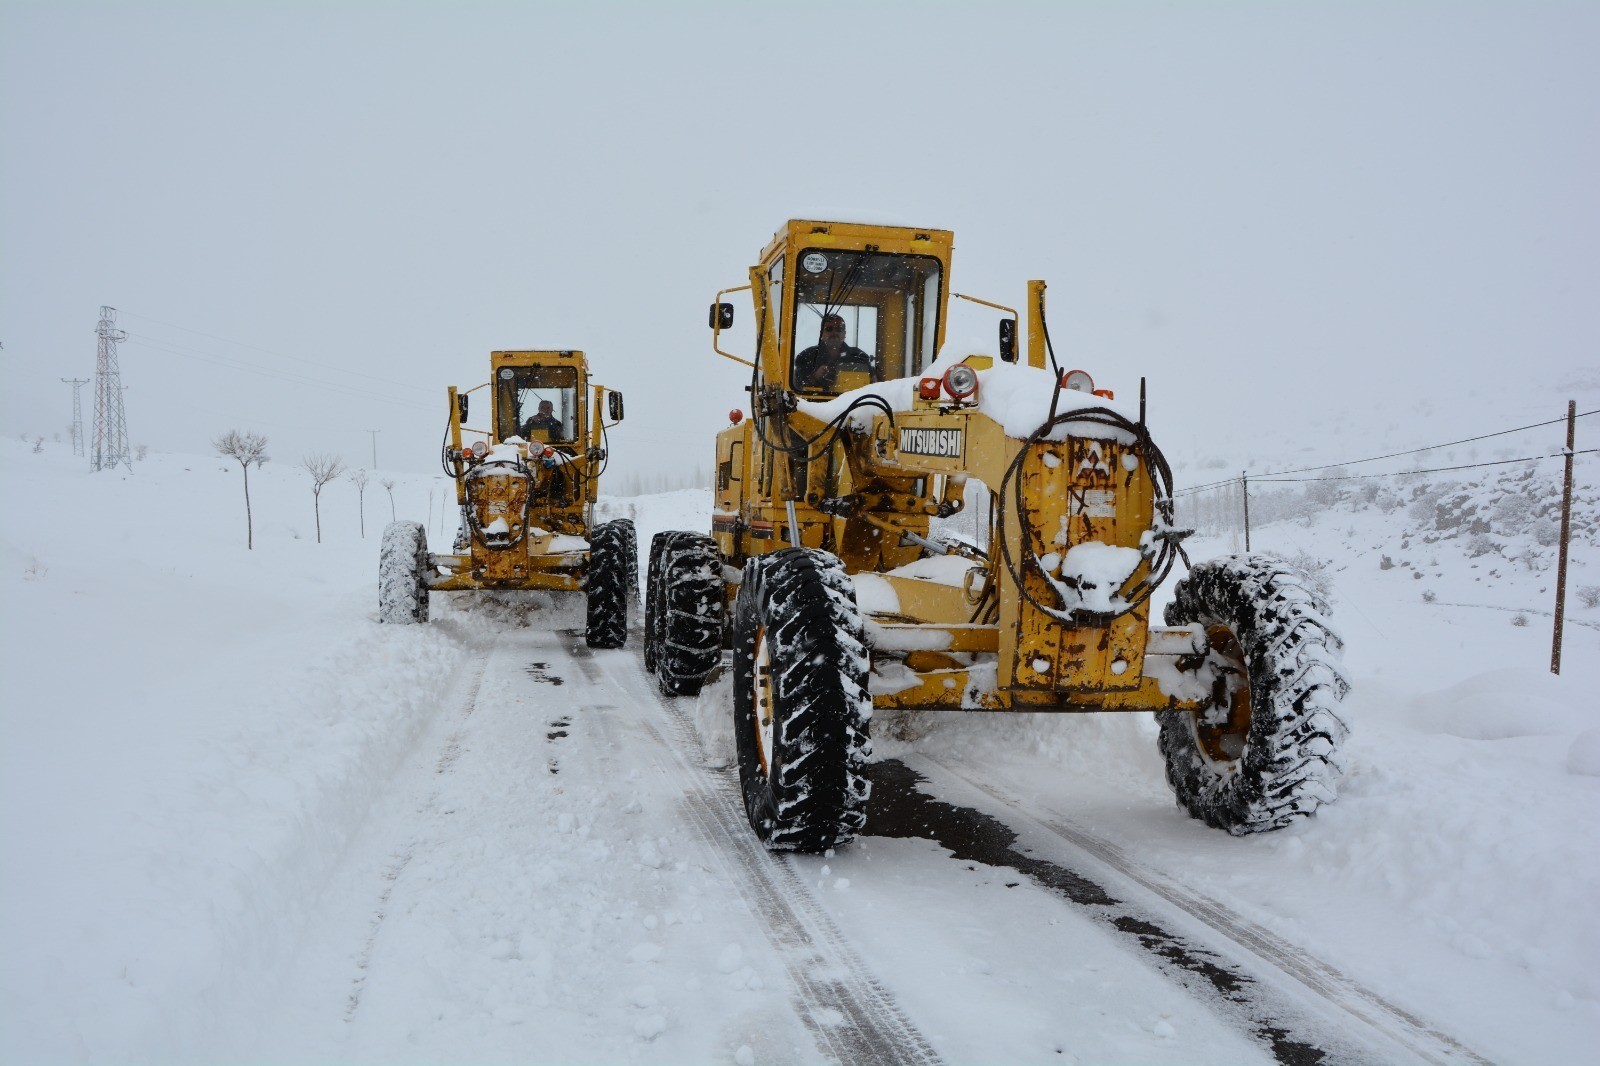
538, 403
861, 317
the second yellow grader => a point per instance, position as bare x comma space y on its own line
823, 573
526, 486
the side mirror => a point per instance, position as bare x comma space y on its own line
614, 405
1008, 340
721, 316
461, 407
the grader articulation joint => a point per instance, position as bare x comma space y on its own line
823, 572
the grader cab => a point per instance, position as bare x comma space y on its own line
824, 572
526, 488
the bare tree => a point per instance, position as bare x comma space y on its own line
388, 486
323, 469
246, 449
358, 478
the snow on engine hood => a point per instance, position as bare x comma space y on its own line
1015, 396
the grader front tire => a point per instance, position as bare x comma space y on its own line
1269, 751
801, 706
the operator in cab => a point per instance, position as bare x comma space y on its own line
818, 366
546, 421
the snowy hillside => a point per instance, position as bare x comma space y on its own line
213, 756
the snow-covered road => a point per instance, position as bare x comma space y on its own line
558, 867
241, 822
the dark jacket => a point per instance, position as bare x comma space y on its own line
814, 369
549, 423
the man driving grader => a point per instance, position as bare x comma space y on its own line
526, 489
820, 572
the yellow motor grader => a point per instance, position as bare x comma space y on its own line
825, 573
526, 487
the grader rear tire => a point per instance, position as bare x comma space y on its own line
606, 587
801, 706
683, 612
403, 574
1269, 752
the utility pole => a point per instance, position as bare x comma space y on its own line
374, 433
1566, 535
110, 416
77, 413
1244, 480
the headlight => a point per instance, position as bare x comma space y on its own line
960, 381
1077, 381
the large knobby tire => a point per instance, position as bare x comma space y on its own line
630, 552
1270, 750
403, 574
606, 587
652, 581
684, 612
800, 703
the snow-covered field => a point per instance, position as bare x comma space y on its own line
202, 746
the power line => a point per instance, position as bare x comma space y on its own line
1432, 470
1278, 474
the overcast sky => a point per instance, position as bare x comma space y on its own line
314, 217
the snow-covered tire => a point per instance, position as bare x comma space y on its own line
800, 703
606, 586
630, 552
683, 612
403, 574
652, 581
1271, 749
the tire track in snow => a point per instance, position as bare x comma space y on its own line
1324, 983
391, 873
853, 1017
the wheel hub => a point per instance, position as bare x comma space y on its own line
764, 713
1223, 729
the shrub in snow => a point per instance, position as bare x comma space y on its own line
1509, 515
1589, 595
1520, 620
1324, 494
1480, 544
1385, 563
1313, 569
1423, 502
1428, 595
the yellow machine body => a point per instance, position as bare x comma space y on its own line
983, 640
525, 482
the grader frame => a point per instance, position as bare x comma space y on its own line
870, 499
526, 489
833, 489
